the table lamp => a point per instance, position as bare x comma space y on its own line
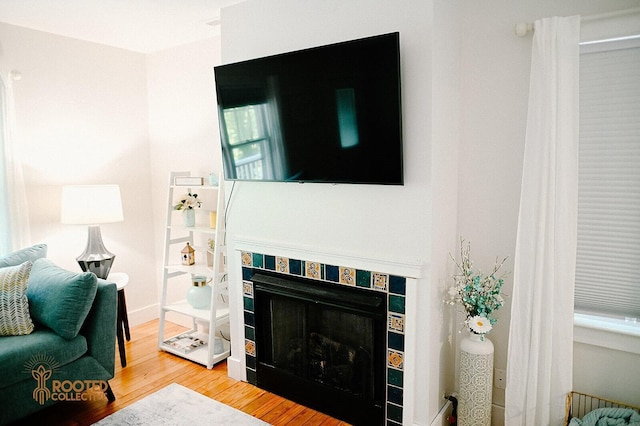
92, 205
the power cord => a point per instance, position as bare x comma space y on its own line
453, 418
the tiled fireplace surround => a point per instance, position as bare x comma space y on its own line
398, 288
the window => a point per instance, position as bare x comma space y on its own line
247, 143
252, 140
608, 251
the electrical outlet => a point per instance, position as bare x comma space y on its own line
499, 378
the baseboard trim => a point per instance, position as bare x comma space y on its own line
142, 315
235, 369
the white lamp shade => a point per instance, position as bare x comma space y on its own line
91, 204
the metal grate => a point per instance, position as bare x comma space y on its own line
579, 404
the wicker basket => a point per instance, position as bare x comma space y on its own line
579, 404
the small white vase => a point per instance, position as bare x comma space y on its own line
476, 381
199, 295
189, 217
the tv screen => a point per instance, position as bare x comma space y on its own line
326, 114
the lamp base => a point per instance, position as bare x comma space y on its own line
99, 267
96, 258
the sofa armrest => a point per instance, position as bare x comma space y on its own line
100, 326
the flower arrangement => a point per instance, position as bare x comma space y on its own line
188, 201
478, 294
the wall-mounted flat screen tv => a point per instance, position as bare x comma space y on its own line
325, 114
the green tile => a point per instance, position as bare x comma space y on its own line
395, 377
394, 412
252, 377
248, 304
258, 260
396, 303
249, 333
363, 278
251, 362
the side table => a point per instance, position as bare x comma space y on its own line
121, 279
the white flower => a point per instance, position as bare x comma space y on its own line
479, 325
188, 201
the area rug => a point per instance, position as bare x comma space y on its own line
177, 405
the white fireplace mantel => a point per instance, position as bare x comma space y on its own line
334, 256
412, 272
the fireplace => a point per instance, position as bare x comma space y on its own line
328, 337
321, 345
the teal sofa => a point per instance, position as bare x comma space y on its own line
70, 353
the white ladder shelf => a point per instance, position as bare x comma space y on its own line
177, 235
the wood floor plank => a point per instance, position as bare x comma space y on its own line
304, 416
278, 412
149, 370
238, 394
289, 415
269, 403
261, 405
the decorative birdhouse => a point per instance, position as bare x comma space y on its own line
188, 255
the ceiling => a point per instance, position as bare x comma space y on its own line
138, 25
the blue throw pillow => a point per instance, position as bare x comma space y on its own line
29, 254
60, 299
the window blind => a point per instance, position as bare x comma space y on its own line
608, 246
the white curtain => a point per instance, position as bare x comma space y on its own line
14, 217
540, 352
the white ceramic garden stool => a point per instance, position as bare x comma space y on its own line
476, 381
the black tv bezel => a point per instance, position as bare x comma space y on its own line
400, 139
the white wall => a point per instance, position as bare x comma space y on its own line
606, 372
445, 124
183, 128
81, 112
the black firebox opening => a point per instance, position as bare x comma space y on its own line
322, 345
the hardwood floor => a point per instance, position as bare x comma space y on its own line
149, 370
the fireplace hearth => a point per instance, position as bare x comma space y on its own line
328, 337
